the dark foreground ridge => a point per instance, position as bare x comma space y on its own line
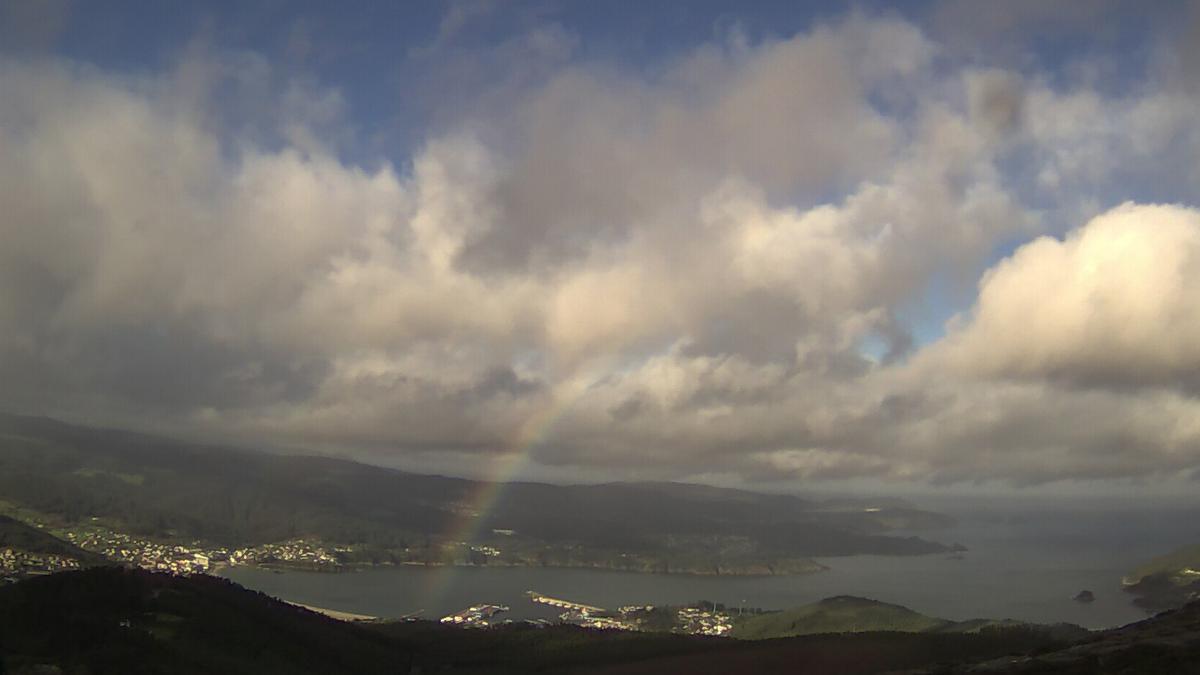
1166, 643
111, 620
117, 620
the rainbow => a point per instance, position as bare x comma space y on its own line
505, 470
488, 493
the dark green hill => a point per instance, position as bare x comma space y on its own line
1167, 581
1167, 643
1187, 557
21, 537
842, 614
157, 487
848, 614
113, 620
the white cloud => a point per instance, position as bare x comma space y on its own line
671, 273
1114, 302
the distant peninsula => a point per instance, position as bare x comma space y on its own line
1167, 581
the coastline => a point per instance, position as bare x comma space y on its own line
814, 568
335, 614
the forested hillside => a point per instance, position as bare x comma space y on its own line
158, 487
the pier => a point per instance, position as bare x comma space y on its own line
564, 604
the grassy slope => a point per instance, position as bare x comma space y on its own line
1170, 563
842, 614
1167, 581
847, 614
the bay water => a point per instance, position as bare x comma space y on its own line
1021, 563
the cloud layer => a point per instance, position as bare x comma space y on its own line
714, 268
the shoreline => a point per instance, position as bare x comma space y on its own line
217, 569
334, 613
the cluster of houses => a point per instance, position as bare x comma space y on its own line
489, 551
173, 558
15, 564
601, 621
291, 552
196, 558
695, 621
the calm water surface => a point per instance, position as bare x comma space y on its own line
1021, 564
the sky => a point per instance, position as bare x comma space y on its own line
921, 245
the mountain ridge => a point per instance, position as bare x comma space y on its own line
162, 488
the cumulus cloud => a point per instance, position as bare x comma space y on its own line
1113, 303
663, 274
